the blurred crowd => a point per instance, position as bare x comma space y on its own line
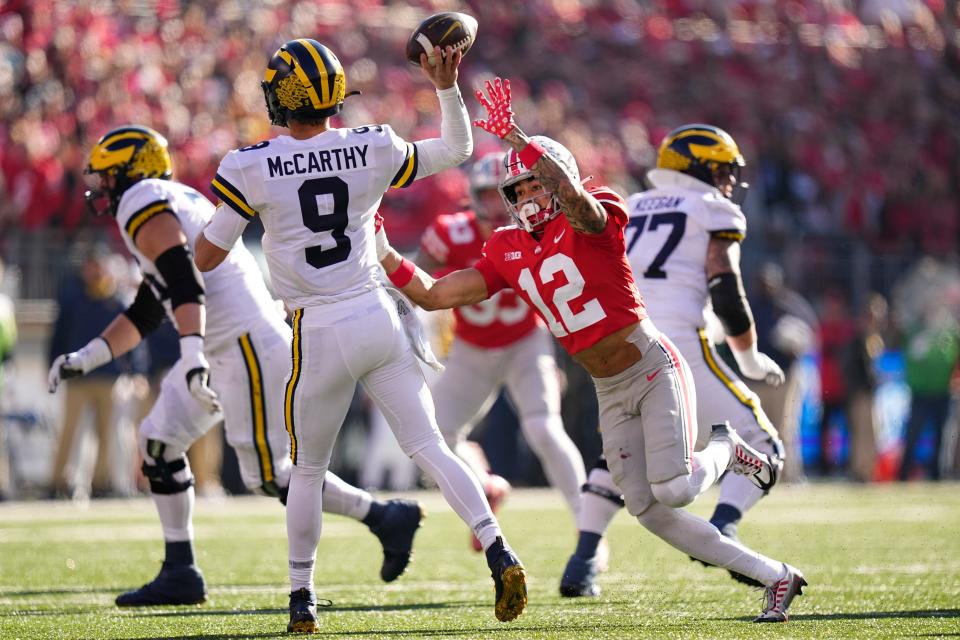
844, 109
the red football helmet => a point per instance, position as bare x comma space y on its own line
528, 214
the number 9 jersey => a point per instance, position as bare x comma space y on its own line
316, 199
670, 227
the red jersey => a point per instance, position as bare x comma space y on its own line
580, 284
454, 241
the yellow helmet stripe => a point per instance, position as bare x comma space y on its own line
321, 67
302, 75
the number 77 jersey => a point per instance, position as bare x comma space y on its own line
580, 284
667, 237
316, 199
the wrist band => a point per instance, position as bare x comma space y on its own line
531, 153
404, 273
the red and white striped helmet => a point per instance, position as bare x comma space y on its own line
528, 214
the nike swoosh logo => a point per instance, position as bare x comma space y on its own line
654, 374
559, 235
452, 27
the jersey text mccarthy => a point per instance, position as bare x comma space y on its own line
323, 161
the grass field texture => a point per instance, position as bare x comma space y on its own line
882, 562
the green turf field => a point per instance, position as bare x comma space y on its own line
882, 562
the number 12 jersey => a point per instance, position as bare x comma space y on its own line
317, 198
580, 284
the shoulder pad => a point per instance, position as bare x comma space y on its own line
140, 203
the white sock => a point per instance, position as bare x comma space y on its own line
700, 539
560, 458
345, 499
176, 515
597, 512
460, 489
709, 464
304, 523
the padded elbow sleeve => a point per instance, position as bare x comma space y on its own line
184, 284
730, 303
146, 313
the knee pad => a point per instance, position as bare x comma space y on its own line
600, 483
675, 493
167, 471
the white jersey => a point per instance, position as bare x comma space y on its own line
237, 299
670, 227
317, 198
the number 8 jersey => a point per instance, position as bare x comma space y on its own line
317, 198
580, 284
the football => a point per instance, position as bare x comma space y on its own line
446, 29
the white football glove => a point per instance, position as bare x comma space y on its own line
72, 365
758, 366
197, 370
414, 330
380, 237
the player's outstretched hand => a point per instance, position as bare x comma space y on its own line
499, 119
443, 74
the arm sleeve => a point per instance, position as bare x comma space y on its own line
455, 143
225, 227
491, 276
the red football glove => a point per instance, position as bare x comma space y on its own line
499, 120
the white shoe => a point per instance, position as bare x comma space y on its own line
747, 461
780, 594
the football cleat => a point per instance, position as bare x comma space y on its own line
780, 594
175, 584
509, 581
759, 468
400, 522
497, 488
303, 612
578, 578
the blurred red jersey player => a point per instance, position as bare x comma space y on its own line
498, 342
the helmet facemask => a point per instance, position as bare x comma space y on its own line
528, 213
